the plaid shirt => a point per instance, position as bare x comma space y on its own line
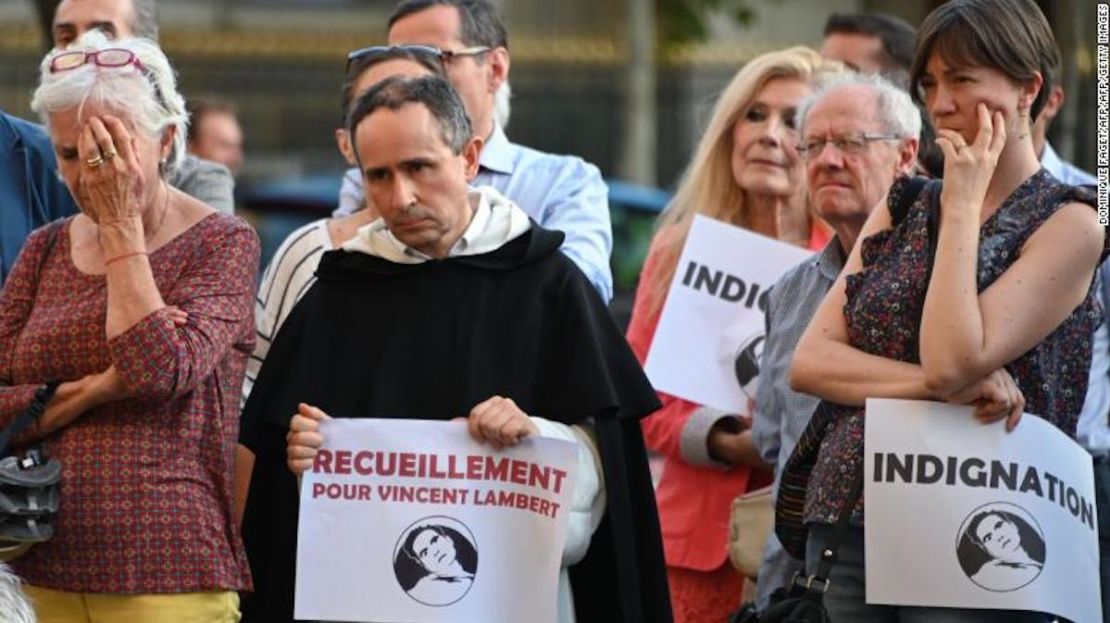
146, 482
782, 413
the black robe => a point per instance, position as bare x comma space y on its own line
373, 338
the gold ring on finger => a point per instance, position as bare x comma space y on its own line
95, 161
108, 155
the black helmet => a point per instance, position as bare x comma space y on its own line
28, 486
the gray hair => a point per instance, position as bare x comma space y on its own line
146, 19
13, 601
434, 92
897, 112
147, 97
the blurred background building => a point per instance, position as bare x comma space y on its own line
281, 62
626, 84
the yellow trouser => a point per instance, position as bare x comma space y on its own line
64, 607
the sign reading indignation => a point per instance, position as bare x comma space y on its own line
963, 515
413, 520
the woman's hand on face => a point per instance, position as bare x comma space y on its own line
995, 397
499, 421
112, 191
968, 168
304, 439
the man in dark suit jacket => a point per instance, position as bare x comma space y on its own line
31, 194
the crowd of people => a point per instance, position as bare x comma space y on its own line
466, 276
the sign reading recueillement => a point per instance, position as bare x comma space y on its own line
412, 520
709, 342
964, 515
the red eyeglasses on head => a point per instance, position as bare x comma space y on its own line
111, 57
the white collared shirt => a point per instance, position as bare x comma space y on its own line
496, 220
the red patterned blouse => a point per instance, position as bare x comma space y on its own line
146, 482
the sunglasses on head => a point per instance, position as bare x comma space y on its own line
445, 57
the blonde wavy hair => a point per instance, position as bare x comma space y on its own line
708, 186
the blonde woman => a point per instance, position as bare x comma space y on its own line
746, 172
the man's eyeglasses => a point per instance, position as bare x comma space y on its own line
443, 56
849, 144
111, 57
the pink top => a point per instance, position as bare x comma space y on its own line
146, 482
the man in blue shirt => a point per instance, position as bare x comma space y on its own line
564, 193
1093, 430
31, 194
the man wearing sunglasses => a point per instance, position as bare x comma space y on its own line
210, 182
563, 193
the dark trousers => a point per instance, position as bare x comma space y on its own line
848, 586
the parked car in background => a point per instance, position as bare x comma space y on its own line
276, 208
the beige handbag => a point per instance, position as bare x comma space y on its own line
749, 525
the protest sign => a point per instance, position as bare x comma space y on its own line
411, 520
709, 340
960, 514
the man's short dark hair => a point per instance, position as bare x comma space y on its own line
480, 22
200, 107
434, 92
896, 35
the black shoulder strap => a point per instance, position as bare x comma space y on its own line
45, 393
23, 420
819, 582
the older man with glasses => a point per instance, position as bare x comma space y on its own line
563, 193
858, 134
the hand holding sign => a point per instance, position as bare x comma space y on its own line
499, 421
303, 439
994, 397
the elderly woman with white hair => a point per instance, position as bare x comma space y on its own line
141, 307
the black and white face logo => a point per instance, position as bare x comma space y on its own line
746, 367
435, 560
1001, 547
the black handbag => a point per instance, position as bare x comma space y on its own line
28, 485
802, 600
